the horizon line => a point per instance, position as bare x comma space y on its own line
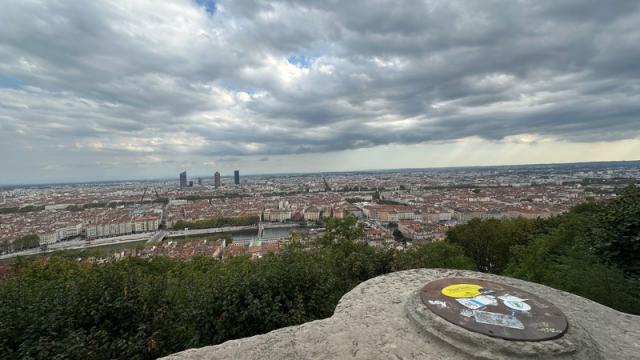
76, 182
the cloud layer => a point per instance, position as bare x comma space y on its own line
148, 82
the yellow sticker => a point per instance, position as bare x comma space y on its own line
461, 290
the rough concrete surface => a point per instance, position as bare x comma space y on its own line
382, 319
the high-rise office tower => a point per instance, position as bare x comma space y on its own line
183, 179
216, 179
236, 177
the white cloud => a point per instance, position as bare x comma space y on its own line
166, 82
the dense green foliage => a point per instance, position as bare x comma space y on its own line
354, 200
389, 202
24, 209
76, 208
21, 243
115, 204
489, 242
437, 255
216, 222
145, 308
615, 231
592, 251
340, 231
210, 196
141, 309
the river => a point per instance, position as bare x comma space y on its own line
269, 234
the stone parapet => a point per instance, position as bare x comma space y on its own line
384, 318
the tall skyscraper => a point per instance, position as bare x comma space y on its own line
183, 179
236, 177
216, 179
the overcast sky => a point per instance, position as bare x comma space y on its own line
94, 90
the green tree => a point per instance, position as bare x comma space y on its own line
489, 242
26, 242
615, 231
341, 230
557, 260
439, 254
216, 222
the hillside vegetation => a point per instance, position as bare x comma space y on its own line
144, 308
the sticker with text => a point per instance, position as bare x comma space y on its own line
478, 301
497, 319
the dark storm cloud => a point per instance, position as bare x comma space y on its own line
162, 79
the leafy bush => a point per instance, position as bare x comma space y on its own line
436, 255
145, 308
216, 222
21, 243
489, 242
592, 251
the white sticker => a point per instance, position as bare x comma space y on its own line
517, 305
478, 301
508, 297
491, 318
470, 303
466, 313
487, 299
441, 304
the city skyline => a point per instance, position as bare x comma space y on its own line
230, 177
423, 202
140, 89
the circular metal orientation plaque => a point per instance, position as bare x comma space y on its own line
499, 311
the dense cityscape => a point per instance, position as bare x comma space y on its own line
397, 208
282, 179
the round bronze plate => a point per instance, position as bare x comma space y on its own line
494, 312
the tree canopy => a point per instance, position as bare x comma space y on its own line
145, 308
216, 222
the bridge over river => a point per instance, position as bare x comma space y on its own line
158, 236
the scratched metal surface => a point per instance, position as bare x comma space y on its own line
543, 322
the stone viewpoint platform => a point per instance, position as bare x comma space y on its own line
388, 317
